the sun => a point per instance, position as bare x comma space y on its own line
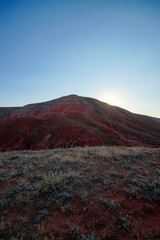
113, 99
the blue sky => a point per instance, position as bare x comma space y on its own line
106, 49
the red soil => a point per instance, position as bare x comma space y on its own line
75, 121
92, 215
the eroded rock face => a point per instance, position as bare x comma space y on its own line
74, 121
18, 113
65, 108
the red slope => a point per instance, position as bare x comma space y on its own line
75, 121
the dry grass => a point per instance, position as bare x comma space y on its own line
78, 186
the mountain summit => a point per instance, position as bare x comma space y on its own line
74, 121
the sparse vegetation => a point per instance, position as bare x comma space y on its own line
91, 237
41, 215
124, 223
75, 232
4, 202
91, 193
52, 180
111, 205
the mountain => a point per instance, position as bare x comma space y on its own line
74, 121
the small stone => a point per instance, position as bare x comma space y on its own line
62, 210
84, 210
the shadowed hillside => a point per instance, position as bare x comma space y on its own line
74, 121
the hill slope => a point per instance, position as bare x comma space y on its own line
74, 121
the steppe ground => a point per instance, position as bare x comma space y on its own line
90, 193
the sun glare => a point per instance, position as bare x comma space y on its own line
113, 99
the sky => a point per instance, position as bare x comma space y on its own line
105, 49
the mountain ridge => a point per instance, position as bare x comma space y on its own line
72, 121
14, 108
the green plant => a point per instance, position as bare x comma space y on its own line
2, 228
124, 223
52, 180
84, 196
18, 237
4, 202
91, 237
75, 232
68, 208
41, 215
111, 205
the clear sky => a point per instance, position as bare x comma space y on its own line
106, 49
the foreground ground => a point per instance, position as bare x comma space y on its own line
80, 193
